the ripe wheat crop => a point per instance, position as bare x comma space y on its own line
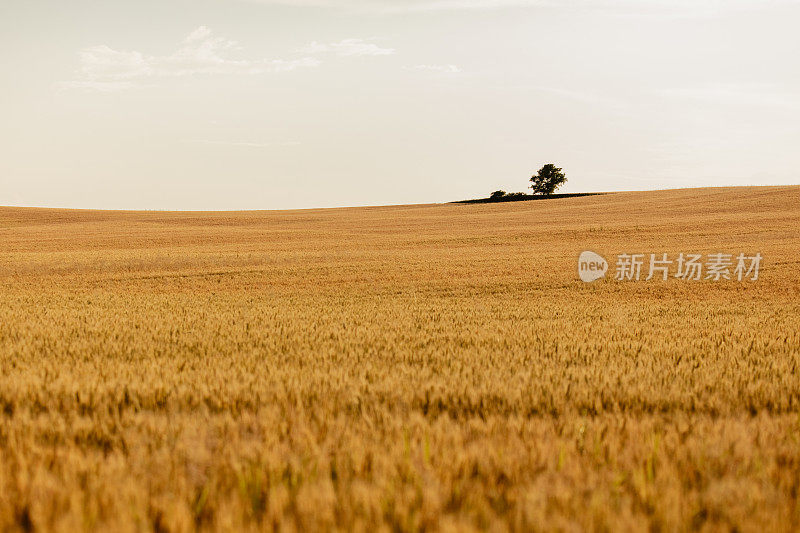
400, 368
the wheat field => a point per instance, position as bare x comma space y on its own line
402, 368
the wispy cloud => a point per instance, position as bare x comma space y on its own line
582, 96
247, 144
407, 5
96, 85
638, 6
446, 69
737, 94
348, 47
104, 68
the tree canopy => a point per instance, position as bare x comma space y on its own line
548, 179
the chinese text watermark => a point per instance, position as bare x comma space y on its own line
691, 267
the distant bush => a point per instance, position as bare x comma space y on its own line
502, 196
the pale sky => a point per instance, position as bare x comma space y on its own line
273, 104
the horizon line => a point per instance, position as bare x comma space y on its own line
557, 196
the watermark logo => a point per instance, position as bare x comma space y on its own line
690, 267
591, 266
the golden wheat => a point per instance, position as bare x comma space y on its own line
400, 368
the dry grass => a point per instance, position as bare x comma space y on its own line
406, 368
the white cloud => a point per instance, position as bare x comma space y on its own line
737, 94
285, 65
399, 5
407, 5
582, 96
100, 86
104, 68
247, 144
448, 69
638, 6
348, 47
199, 34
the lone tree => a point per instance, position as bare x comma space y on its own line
498, 194
548, 179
